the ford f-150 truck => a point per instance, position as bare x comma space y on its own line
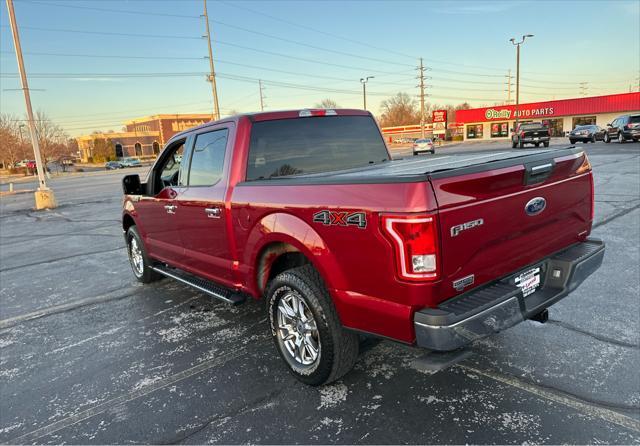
307, 210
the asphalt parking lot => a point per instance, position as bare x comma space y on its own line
89, 356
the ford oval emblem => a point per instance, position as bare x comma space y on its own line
535, 206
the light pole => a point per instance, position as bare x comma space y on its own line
517, 44
45, 199
363, 81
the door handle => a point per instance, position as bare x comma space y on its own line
171, 208
213, 212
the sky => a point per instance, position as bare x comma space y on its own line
94, 64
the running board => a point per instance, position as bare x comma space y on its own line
206, 286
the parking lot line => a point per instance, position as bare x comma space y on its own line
591, 410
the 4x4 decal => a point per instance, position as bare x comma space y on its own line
332, 218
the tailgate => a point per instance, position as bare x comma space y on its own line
499, 217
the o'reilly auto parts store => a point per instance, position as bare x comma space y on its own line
560, 116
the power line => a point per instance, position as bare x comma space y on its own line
106, 33
318, 30
229, 25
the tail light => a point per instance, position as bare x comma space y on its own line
415, 243
585, 166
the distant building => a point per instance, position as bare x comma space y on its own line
143, 138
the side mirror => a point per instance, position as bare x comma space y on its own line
131, 185
608, 125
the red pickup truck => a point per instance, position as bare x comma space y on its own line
307, 210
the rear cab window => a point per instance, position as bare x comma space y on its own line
312, 145
635, 119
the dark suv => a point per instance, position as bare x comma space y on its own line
624, 128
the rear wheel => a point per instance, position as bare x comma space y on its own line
138, 259
593, 138
306, 329
537, 144
546, 143
572, 141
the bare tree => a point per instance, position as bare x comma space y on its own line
51, 137
13, 146
327, 103
399, 110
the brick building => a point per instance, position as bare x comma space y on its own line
142, 138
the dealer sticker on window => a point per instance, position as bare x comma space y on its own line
528, 281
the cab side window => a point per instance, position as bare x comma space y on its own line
208, 158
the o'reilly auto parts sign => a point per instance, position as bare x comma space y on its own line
492, 114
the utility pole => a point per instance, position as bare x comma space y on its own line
261, 95
45, 198
422, 117
509, 77
583, 88
212, 72
517, 44
363, 81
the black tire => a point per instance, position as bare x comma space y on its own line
144, 273
621, 139
607, 138
546, 143
593, 138
537, 144
572, 141
415, 153
337, 347
433, 152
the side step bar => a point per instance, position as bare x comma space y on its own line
206, 286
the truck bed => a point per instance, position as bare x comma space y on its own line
414, 169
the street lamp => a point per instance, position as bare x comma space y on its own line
517, 45
364, 81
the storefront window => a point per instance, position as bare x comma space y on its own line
555, 125
499, 129
583, 120
474, 131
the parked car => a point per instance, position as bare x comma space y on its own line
130, 162
307, 210
113, 165
530, 133
586, 133
423, 145
23, 163
623, 128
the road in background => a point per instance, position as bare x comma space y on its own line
88, 355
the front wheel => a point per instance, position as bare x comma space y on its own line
306, 329
546, 143
607, 138
572, 141
593, 139
620, 138
138, 258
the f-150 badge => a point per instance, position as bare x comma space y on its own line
457, 229
332, 218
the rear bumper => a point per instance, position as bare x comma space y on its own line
532, 140
500, 305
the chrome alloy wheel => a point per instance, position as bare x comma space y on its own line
135, 254
297, 330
